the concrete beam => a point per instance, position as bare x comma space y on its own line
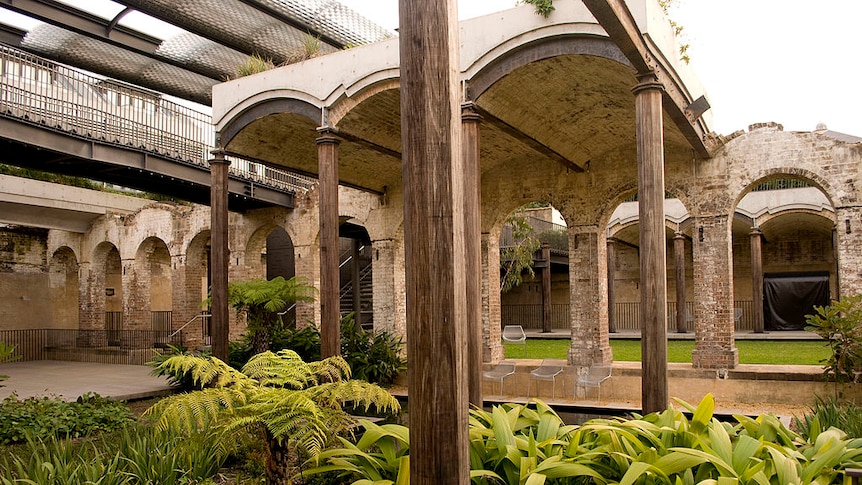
617, 20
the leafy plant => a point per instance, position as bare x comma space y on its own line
518, 258
830, 413
6, 356
252, 65
525, 445
262, 300
52, 417
297, 405
543, 7
308, 48
840, 324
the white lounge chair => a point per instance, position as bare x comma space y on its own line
514, 334
548, 371
500, 372
597, 374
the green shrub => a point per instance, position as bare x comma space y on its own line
840, 324
518, 444
829, 413
52, 417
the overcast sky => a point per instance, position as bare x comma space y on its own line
795, 62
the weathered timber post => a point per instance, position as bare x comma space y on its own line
330, 317
434, 242
756, 238
546, 288
679, 262
219, 253
653, 272
470, 120
612, 298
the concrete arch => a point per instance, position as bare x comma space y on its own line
510, 56
364, 89
253, 109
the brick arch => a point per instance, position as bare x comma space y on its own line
255, 243
498, 64
743, 186
63, 287
151, 283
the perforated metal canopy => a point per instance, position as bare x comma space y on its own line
220, 36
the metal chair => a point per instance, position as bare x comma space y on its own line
500, 372
514, 334
548, 371
597, 374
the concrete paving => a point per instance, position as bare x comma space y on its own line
68, 380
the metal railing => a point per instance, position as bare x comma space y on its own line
55, 97
627, 315
131, 346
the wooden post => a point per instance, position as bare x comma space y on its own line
434, 242
330, 316
653, 272
219, 253
470, 120
356, 286
756, 238
612, 298
679, 262
546, 288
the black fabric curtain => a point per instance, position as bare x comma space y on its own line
788, 298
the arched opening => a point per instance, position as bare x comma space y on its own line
64, 292
199, 279
623, 246
153, 278
279, 256
783, 254
107, 293
356, 284
534, 272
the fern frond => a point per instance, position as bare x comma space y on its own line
283, 369
331, 369
206, 372
333, 395
197, 410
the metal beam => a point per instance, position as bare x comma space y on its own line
84, 23
617, 20
11, 35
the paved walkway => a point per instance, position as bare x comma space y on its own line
69, 380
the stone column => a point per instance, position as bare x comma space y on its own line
587, 302
91, 297
330, 317
387, 273
219, 254
612, 300
492, 346
433, 175
546, 288
713, 294
756, 237
470, 120
849, 240
679, 263
653, 269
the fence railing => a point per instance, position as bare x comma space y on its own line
130, 346
627, 315
59, 98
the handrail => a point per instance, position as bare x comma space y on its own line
201, 316
59, 98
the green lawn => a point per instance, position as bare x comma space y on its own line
804, 352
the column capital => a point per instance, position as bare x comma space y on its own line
470, 113
218, 156
755, 231
328, 135
646, 82
679, 235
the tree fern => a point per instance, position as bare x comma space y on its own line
298, 404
